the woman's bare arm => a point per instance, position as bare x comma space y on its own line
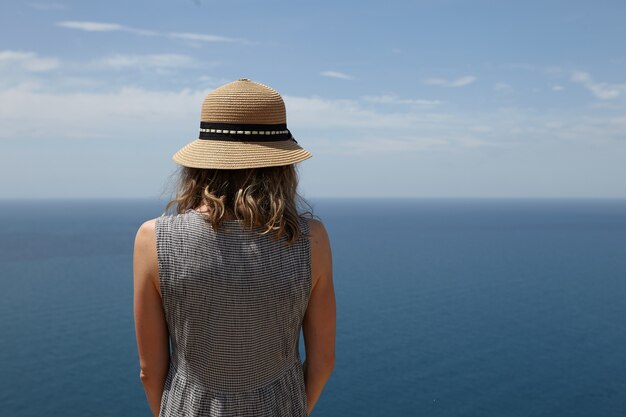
150, 324
319, 321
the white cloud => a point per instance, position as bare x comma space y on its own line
607, 105
88, 26
365, 125
502, 87
480, 129
392, 145
457, 82
558, 88
320, 113
119, 61
336, 74
603, 91
548, 69
28, 61
587, 129
200, 37
91, 26
350, 125
140, 114
618, 121
392, 99
29, 112
103, 27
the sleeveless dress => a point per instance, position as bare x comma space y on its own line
234, 302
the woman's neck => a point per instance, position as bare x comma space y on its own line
227, 215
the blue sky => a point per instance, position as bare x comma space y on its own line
394, 99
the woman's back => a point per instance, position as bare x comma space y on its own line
234, 302
231, 301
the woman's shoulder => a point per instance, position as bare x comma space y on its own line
145, 252
318, 235
147, 228
310, 223
320, 251
315, 225
152, 229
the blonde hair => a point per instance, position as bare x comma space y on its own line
265, 197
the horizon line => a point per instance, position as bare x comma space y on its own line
330, 197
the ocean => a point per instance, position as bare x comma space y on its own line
445, 307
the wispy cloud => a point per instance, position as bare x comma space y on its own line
200, 37
457, 82
357, 126
502, 87
603, 91
392, 145
119, 61
383, 123
103, 27
545, 69
127, 112
558, 88
29, 61
88, 26
322, 113
392, 99
336, 74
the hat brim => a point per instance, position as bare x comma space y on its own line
220, 154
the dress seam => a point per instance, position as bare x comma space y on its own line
292, 368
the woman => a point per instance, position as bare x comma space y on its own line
232, 277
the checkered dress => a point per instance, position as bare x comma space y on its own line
234, 303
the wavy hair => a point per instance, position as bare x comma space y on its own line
262, 197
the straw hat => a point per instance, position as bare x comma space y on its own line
243, 124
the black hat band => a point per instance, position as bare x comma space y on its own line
245, 132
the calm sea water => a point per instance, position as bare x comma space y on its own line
445, 308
